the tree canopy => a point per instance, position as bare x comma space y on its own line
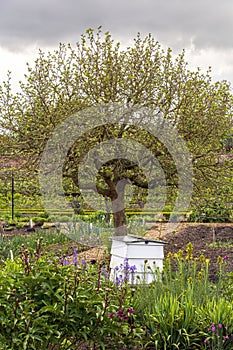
98, 71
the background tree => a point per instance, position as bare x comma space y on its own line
98, 71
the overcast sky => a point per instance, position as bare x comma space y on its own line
203, 27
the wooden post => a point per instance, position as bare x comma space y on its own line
12, 196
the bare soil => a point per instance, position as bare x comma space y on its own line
201, 236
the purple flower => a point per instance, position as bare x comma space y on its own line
75, 251
219, 325
205, 340
225, 257
111, 315
133, 268
75, 256
118, 280
83, 261
213, 329
125, 271
126, 265
130, 310
120, 313
65, 262
104, 273
125, 317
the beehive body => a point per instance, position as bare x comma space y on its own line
138, 252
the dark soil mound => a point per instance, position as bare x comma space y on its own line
210, 240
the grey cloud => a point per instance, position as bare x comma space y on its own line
175, 22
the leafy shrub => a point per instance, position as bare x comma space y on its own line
58, 304
212, 212
62, 302
38, 219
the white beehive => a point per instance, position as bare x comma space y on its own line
139, 252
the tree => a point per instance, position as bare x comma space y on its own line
98, 72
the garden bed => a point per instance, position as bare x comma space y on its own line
202, 237
54, 301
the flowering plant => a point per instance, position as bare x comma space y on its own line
124, 273
218, 338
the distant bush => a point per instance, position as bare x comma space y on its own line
212, 212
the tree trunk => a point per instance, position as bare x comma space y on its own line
116, 194
108, 215
119, 221
118, 209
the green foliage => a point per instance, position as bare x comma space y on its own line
48, 305
30, 241
94, 217
216, 204
136, 225
212, 212
182, 304
38, 220
60, 218
105, 239
61, 302
220, 244
226, 289
98, 71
